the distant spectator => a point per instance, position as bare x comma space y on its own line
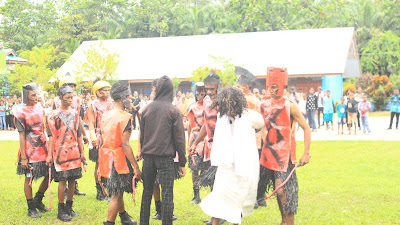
3, 124
328, 109
294, 96
311, 107
342, 110
185, 123
177, 101
364, 107
320, 105
394, 108
135, 108
144, 102
9, 116
358, 97
256, 92
352, 108
302, 106
183, 105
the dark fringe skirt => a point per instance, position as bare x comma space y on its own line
207, 175
94, 154
39, 169
176, 173
291, 188
120, 183
72, 174
198, 160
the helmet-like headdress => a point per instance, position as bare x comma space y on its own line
64, 90
279, 77
199, 87
245, 77
99, 85
212, 78
120, 90
25, 90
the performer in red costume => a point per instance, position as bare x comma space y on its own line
195, 116
93, 116
279, 149
115, 156
245, 82
76, 104
65, 143
33, 148
212, 84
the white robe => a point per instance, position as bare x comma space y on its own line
235, 153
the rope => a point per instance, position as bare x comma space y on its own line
133, 189
30, 171
50, 187
101, 183
281, 185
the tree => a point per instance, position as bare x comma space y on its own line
382, 54
226, 71
37, 69
99, 62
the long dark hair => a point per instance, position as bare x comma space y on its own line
230, 101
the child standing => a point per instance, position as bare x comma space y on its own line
364, 108
65, 144
341, 109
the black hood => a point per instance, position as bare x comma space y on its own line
164, 89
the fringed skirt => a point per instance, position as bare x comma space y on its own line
120, 183
176, 173
207, 175
72, 174
291, 188
39, 169
94, 154
195, 162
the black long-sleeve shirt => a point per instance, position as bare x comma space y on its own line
161, 126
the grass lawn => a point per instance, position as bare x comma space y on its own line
379, 114
345, 183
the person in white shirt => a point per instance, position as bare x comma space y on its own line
320, 102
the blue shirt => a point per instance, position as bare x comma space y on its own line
328, 105
341, 109
3, 113
395, 103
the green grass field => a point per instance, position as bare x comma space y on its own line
345, 183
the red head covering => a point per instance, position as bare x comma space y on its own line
279, 77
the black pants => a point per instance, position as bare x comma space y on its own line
358, 119
164, 166
391, 119
9, 121
320, 110
135, 114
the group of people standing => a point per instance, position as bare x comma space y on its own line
352, 108
239, 146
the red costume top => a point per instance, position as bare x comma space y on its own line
279, 145
195, 116
210, 117
30, 118
99, 108
64, 126
113, 125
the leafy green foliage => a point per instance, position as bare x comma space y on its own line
379, 91
225, 69
37, 70
99, 62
